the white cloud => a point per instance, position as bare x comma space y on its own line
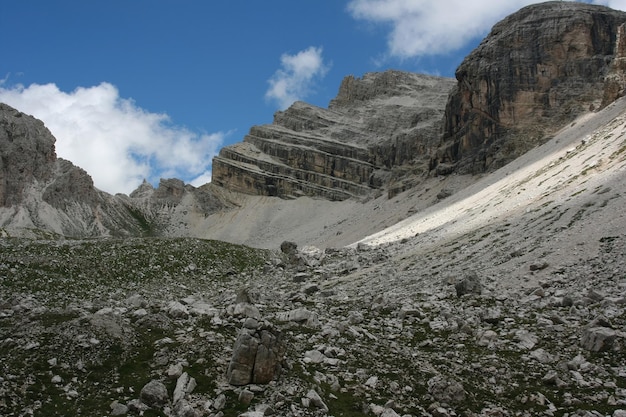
201, 179
419, 27
115, 141
614, 4
296, 77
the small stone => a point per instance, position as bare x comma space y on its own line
316, 401
177, 310
470, 284
251, 323
372, 382
538, 266
154, 394
118, 409
314, 356
174, 371
310, 289
246, 396
219, 403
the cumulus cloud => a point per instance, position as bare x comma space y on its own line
296, 77
115, 141
420, 28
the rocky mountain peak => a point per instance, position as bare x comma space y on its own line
26, 154
536, 71
377, 122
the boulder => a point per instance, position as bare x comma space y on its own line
469, 284
598, 339
257, 357
154, 394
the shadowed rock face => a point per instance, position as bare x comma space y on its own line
375, 123
537, 70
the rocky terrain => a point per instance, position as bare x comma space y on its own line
406, 287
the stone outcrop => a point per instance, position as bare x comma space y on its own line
375, 124
257, 357
536, 71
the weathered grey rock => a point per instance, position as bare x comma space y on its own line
597, 339
299, 315
242, 362
469, 284
244, 310
220, 402
174, 371
154, 394
257, 355
389, 412
182, 408
177, 310
246, 396
118, 409
184, 386
316, 401
446, 390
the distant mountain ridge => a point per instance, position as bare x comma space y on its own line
383, 135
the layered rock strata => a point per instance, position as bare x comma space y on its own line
375, 123
536, 71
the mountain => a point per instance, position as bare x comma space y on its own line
390, 144
434, 293
535, 72
376, 124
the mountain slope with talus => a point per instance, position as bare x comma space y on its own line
390, 145
497, 293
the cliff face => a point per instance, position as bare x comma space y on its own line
40, 193
376, 123
537, 70
22, 160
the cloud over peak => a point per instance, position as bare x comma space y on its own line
296, 77
420, 28
115, 141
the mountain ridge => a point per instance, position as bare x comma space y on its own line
386, 137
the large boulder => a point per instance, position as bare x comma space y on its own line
257, 357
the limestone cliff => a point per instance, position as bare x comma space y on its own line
537, 70
375, 125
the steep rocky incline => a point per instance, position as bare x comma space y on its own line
376, 124
41, 194
535, 72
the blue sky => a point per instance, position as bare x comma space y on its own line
137, 89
